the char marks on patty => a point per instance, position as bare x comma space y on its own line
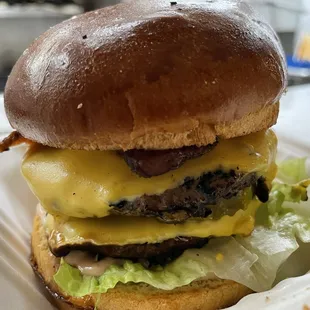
156, 253
195, 197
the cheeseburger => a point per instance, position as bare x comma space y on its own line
149, 149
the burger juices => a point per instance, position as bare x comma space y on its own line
150, 151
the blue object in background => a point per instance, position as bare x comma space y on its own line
296, 63
298, 70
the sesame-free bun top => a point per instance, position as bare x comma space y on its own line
150, 74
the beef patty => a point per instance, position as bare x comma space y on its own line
157, 253
195, 197
148, 163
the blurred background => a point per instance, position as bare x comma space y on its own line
21, 21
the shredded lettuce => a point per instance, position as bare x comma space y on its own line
254, 261
292, 171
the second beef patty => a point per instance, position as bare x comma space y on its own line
195, 197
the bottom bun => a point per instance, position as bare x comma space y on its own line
201, 294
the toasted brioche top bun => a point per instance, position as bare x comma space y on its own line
202, 294
148, 74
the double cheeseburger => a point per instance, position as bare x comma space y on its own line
148, 132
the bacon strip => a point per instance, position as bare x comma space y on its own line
149, 163
14, 138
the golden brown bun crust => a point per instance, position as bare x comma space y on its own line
202, 295
148, 74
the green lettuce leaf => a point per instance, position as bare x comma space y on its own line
192, 265
253, 261
292, 171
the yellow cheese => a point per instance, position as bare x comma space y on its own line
84, 183
118, 230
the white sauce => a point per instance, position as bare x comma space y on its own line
88, 265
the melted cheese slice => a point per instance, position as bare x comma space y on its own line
84, 183
118, 230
